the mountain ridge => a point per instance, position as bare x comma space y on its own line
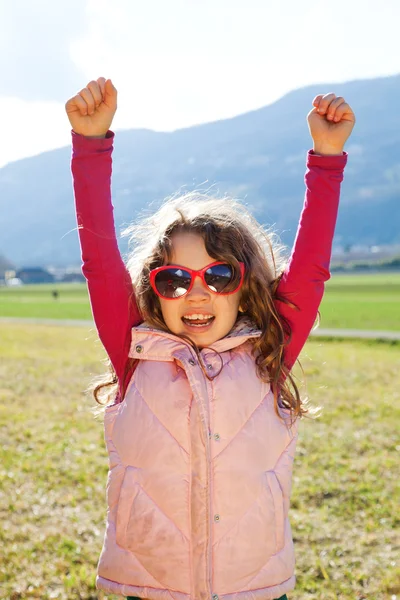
258, 156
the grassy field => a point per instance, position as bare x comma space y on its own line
362, 302
53, 466
350, 301
38, 301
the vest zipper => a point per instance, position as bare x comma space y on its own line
206, 434
209, 553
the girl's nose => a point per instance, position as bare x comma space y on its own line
199, 291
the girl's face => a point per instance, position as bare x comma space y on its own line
188, 250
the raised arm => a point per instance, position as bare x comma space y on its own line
110, 288
303, 281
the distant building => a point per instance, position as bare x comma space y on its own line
34, 275
12, 281
351, 253
6, 269
69, 274
73, 278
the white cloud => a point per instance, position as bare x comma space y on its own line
29, 128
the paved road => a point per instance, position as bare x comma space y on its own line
357, 333
334, 333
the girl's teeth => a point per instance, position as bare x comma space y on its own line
198, 320
198, 317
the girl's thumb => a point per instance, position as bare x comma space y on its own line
110, 91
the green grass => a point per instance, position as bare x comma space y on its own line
38, 301
362, 302
350, 302
53, 468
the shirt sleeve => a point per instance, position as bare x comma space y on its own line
110, 288
303, 281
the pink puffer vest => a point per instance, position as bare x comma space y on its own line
200, 476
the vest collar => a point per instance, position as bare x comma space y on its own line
151, 343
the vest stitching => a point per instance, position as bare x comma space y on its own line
162, 587
161, 423
241, 427
162, 512
293, 441
275, 510
237, 521
143, 588
278, 585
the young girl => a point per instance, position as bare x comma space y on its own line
202, 329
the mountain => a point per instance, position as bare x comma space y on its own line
258, 156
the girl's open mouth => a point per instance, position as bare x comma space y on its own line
197, 321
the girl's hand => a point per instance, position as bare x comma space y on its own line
330, 123
92, 110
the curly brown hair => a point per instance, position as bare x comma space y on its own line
232, 235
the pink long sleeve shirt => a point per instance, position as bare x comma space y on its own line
109, 283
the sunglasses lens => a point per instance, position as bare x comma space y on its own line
222, 278
172, 283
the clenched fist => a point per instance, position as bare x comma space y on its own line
92, 110
330, 122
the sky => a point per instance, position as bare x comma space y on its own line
177, 63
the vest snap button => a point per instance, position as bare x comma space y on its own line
215, 597
209, 367
139, 348
216, 518
192, 362
216, 436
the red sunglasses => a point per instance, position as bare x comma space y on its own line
171, 282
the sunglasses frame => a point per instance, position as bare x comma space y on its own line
193, 274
